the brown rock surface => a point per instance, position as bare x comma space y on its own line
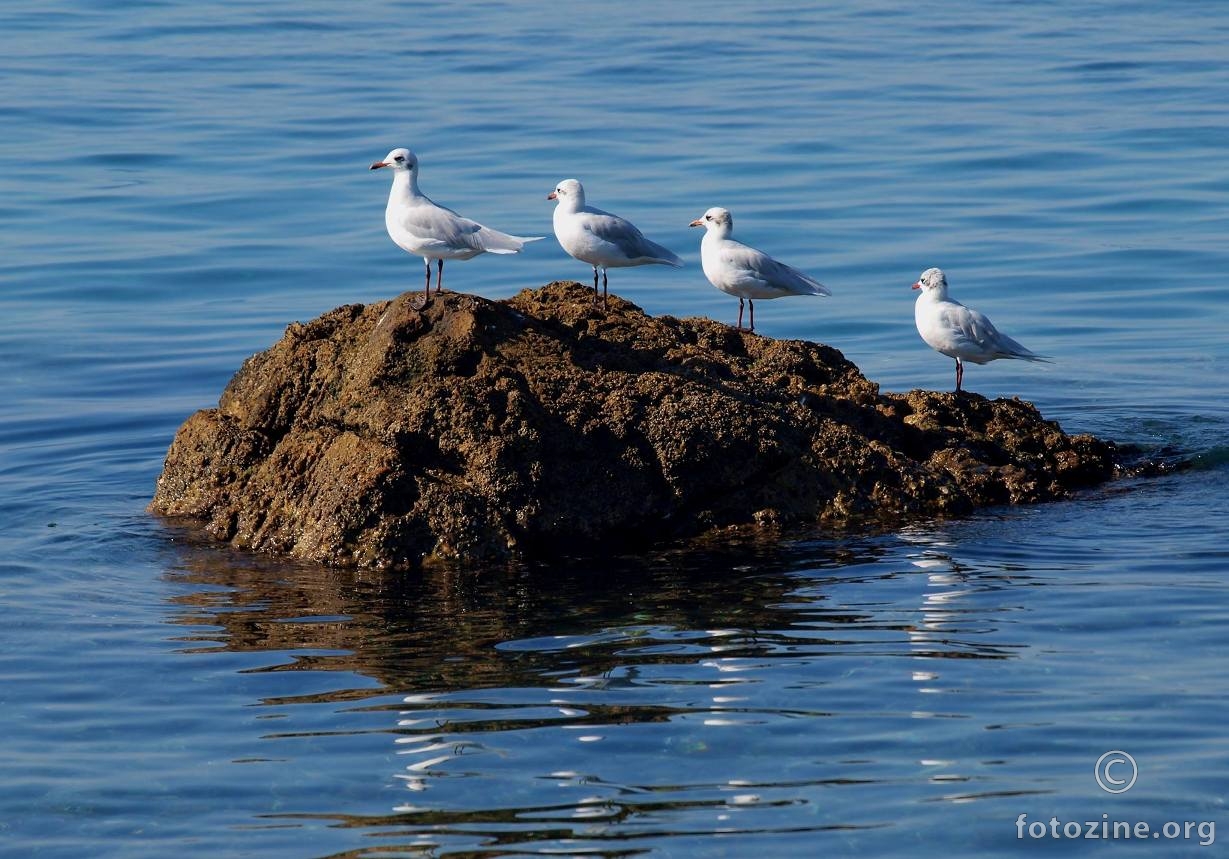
384, 435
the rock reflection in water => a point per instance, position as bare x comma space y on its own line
606, 700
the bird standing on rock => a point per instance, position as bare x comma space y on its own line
960, 332
740, 270
419, 225
599, 238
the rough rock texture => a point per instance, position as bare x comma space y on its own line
385, 435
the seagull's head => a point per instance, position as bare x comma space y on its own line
716, 220
933, 282
570, 193
399, 159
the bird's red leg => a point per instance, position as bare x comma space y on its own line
959, 373
439, 277
740, 314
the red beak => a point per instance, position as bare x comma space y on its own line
696, 223
917, 285
379, 164
552, 196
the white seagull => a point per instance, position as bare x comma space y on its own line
599, 238
419, 225
740, 270
960, 332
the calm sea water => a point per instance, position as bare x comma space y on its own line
179, 181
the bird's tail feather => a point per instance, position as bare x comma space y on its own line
495, 242
817, 288
1014, 349
660, 254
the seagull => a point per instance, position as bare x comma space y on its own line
599, 238
739, 270
419, 225
960, 332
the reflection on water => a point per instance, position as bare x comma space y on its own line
746, 690
494, 627
829, 695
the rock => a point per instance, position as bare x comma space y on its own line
386, 435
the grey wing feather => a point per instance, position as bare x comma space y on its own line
624, 234
442, 224
774, 273
502, 243
964, 327
439, 224
976, 327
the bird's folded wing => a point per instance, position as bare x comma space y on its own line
980, 329
613, 229
432, 223
971, 331
624, 235
760, 267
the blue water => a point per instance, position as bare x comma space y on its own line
179, 181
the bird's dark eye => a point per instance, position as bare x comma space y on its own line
399, 158
708, 217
